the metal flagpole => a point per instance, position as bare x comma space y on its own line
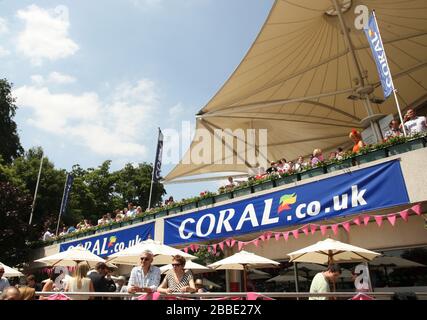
62, 204
152, 174
392, 83
35, 192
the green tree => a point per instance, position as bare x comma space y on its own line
15, 207
10, 146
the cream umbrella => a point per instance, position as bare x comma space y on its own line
10, 272
243, 260
71, 257
255, 274
189, 265
162, 253
330, 251
395, 262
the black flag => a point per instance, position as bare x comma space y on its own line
158, 162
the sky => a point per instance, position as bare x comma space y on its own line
95, 79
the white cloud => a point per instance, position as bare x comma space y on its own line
115, 128
176, 111
3, 26
46, 34
53, 77
4, 52
144, 4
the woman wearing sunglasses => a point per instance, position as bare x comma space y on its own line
178, 279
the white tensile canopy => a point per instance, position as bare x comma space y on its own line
309, 78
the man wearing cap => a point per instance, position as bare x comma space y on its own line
144, 278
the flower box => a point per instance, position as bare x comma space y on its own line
174, 210
343, 164
312, 173
205, 202
160, 214
242, 192
138, 219
148, 217
263, 186
126, 223
371, 156
223, 197
286, 179
189, 206
407, 146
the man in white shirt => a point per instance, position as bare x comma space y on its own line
48, 235
414, 124
320, 282
144, 278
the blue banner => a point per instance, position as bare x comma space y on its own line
373, 188
158, 161
378, 52
66, 195
115, 241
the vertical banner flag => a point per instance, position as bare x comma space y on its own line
158, 162
67, 191
374, 38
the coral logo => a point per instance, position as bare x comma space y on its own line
285, 202
112, 241
371, 33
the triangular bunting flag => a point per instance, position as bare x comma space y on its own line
196, 247
357, 221
366, 220
186, 249
313, 228
295, 233
323, 229
404, 214
262, 237
240, 245
214, 248
268, 235
228, 243
277, 236
417, 209
335, 228
392, 219
379, 220
221, 245
305, 230
286, 235
232, 243
256, 242
346, 226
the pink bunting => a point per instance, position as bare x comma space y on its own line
256, 242
379, 220
392, 219
277, 236
286, 235
221, 245
335, 228
346, 226
295, 233
214, 248
366, 220
313, 228
228, 243
323, 229
268, 235
196, 247
417, 209
305, 230
232, 243
186, 249
240, 245
262, 237
357, 221
404, 214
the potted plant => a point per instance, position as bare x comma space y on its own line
286, 177
265, 183
243, 189
224, 193
313, 171
371, 153
205, 199
400, 144
346, 161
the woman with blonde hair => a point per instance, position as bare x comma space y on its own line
357, 139
80, 283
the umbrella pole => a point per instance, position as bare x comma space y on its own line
369, 276
244, 279
296, 278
